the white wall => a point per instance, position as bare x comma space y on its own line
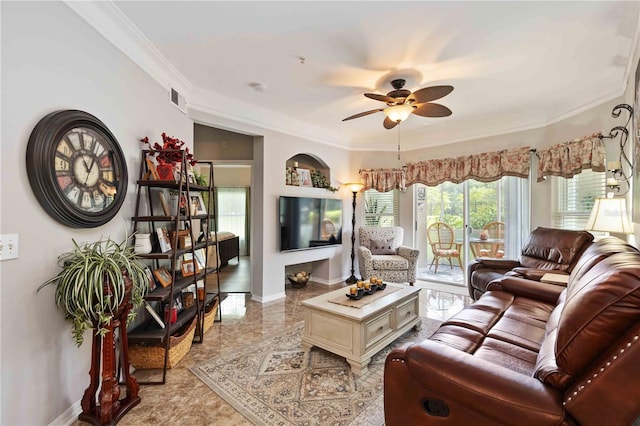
271, 151
51, 60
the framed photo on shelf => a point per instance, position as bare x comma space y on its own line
188, 268
163, 239
201, 258
197, 202
154, 314
163, 202
191, 176
178, 303
151, 168
163, 276
304, 175
152, 281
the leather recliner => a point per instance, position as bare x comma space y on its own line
546, 250
530, 353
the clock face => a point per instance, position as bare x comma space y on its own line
76, 169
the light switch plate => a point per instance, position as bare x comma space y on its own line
8, 246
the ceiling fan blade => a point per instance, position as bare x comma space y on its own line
362, 114
383, 98
432, 110
388, 123
429, 94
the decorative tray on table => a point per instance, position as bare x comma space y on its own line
362, 289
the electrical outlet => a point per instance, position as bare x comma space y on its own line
8, 246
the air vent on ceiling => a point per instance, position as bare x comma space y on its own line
178, 100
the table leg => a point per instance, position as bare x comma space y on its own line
359, 368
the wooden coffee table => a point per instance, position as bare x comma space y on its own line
359, 333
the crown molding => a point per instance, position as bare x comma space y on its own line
106, 18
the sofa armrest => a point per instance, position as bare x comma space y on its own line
527, 288
471, 388
408, 252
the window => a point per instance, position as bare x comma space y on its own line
381, 208
232, 213
573, 198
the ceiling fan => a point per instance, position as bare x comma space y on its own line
402, 102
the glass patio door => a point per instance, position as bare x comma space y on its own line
486, 219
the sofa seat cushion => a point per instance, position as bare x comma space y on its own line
513, 357
391, 262
499, 323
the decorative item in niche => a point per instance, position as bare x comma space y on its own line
305, 177
320, 181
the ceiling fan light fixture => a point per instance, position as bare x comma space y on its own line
398, 113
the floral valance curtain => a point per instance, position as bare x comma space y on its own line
383, 180
570, 158
485, 167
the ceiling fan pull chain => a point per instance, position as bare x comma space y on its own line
398, 142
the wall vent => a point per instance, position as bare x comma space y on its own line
177, 100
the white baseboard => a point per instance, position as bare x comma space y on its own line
69, 416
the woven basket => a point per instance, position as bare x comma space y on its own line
210, 313
143, 357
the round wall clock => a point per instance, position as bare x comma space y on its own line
76, 169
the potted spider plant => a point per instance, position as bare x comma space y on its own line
96, 280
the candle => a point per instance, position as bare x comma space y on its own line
360, 284
612, 182
614, 165
353, 290
295, 164
367, 286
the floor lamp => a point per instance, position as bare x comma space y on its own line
355, 188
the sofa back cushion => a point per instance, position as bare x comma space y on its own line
554, 249
597, 309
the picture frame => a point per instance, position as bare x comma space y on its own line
163, 239
164, 204
188, 257
201, 258
304, 176
154, 314
163, 276
178, 302
191, 177
152, 280
197, 202
151, 168
188, 268
184, 241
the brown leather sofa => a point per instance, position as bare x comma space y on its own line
530, 353
546, 250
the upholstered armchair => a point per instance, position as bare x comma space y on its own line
382, 255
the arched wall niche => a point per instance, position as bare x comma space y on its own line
309, 162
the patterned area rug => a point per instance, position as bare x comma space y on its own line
273, 382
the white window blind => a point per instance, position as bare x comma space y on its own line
573, 198
381, 208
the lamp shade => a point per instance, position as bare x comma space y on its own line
355, 186
609, 215
398, 113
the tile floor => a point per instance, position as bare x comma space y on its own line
186, 400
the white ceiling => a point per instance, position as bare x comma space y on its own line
514, 65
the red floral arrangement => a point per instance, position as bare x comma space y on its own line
169, 151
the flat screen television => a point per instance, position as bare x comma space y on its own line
309, 222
